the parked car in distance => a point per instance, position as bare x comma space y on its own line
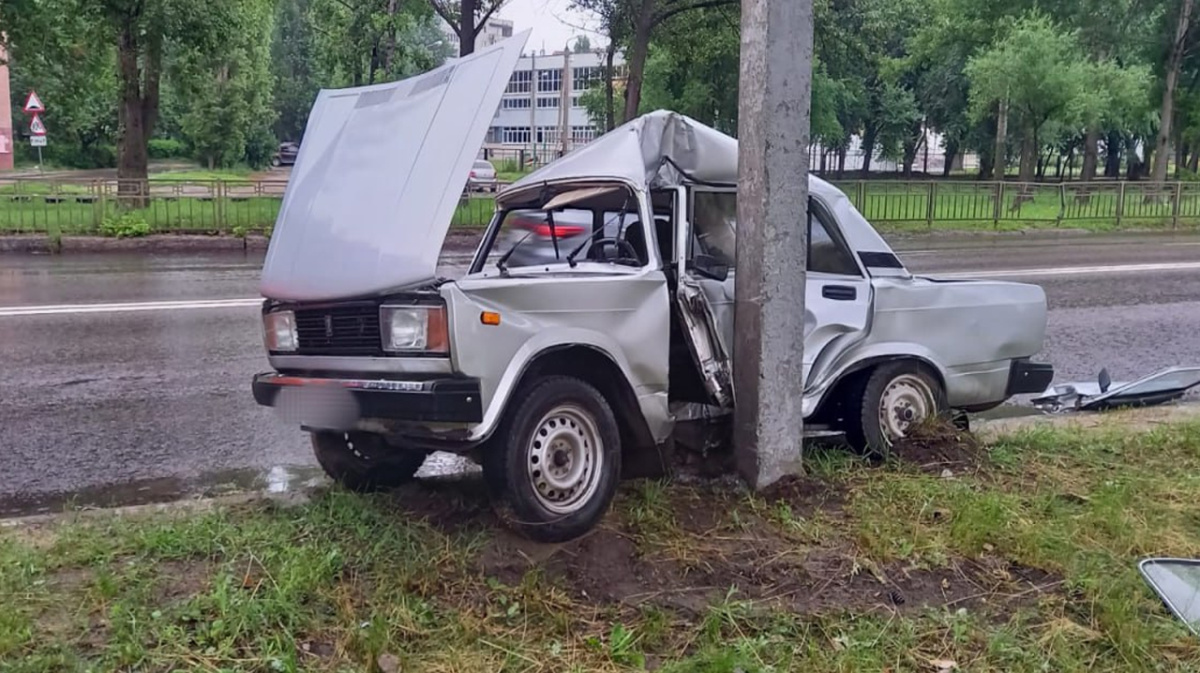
482, 177
286, 155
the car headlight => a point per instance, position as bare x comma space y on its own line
414, 329
279, 332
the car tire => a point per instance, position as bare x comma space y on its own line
555, 464
276, 163
886, 402
364, 462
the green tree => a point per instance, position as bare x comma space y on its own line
63, 56
229, 115
1040, 73
467, 18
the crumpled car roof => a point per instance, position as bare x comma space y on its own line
665, 149
657, 150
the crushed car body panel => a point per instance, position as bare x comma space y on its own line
379, 175
1159, 388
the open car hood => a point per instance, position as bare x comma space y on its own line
380, 172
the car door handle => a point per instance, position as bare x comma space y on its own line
839, 292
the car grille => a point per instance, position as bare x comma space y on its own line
339, 330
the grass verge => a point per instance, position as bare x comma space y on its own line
1023, 560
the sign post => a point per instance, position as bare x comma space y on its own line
37, 128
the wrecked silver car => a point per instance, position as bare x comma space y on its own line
553, 367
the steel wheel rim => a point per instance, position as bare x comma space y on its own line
564, 459
906, 401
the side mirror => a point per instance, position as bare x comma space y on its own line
709, 267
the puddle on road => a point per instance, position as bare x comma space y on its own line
276, 480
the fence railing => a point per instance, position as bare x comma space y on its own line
75, 207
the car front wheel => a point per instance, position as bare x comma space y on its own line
889, 402
555, 467
365, 462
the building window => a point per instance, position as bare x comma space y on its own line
582, 78
549, 81
547, 102
515, 104
575, 102
520, 82
582, 134
547, 135
517, 135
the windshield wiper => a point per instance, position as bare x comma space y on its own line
500, 263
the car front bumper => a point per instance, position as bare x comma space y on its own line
455, 400
1025, 377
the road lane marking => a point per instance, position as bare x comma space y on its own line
72, 309
202, 304
1069, 271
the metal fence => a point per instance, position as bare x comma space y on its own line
71, 207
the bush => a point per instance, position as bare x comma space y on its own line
167, 148
129, 224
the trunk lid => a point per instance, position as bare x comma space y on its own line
378, 178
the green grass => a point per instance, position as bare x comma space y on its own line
1023, 562
165, 214
205, 175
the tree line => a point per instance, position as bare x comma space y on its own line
1094, 87
1087, 88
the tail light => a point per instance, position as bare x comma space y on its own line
543, 229
472, 173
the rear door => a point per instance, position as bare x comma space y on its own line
838, 296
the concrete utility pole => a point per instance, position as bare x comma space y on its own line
7, 137
773, 129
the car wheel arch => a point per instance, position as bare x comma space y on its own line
600, 369
849, 379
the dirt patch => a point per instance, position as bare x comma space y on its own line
807, 495
713, 558
448, 506
939, 446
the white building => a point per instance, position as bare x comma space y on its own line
541, 111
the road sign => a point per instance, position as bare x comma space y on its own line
33, 104
37, 141
36, 127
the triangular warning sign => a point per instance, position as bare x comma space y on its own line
33, 103
36, 127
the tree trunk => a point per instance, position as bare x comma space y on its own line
610, 105
841, 156
1134, 165
466, 29
389, 49
870, 135
1162, 154
1001, 154
1112, 155
133, 161
1194, 162
1181, 150
951, 156
373, 66
637, 58
1091, 155
824, 161
1029, 155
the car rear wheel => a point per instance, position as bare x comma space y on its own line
365, 462
889, 402
555, 466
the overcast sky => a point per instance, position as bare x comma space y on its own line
552, 21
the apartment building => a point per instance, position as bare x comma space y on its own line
541, 112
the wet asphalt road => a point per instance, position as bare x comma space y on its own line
128, 406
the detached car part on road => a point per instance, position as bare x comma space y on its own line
553, 367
